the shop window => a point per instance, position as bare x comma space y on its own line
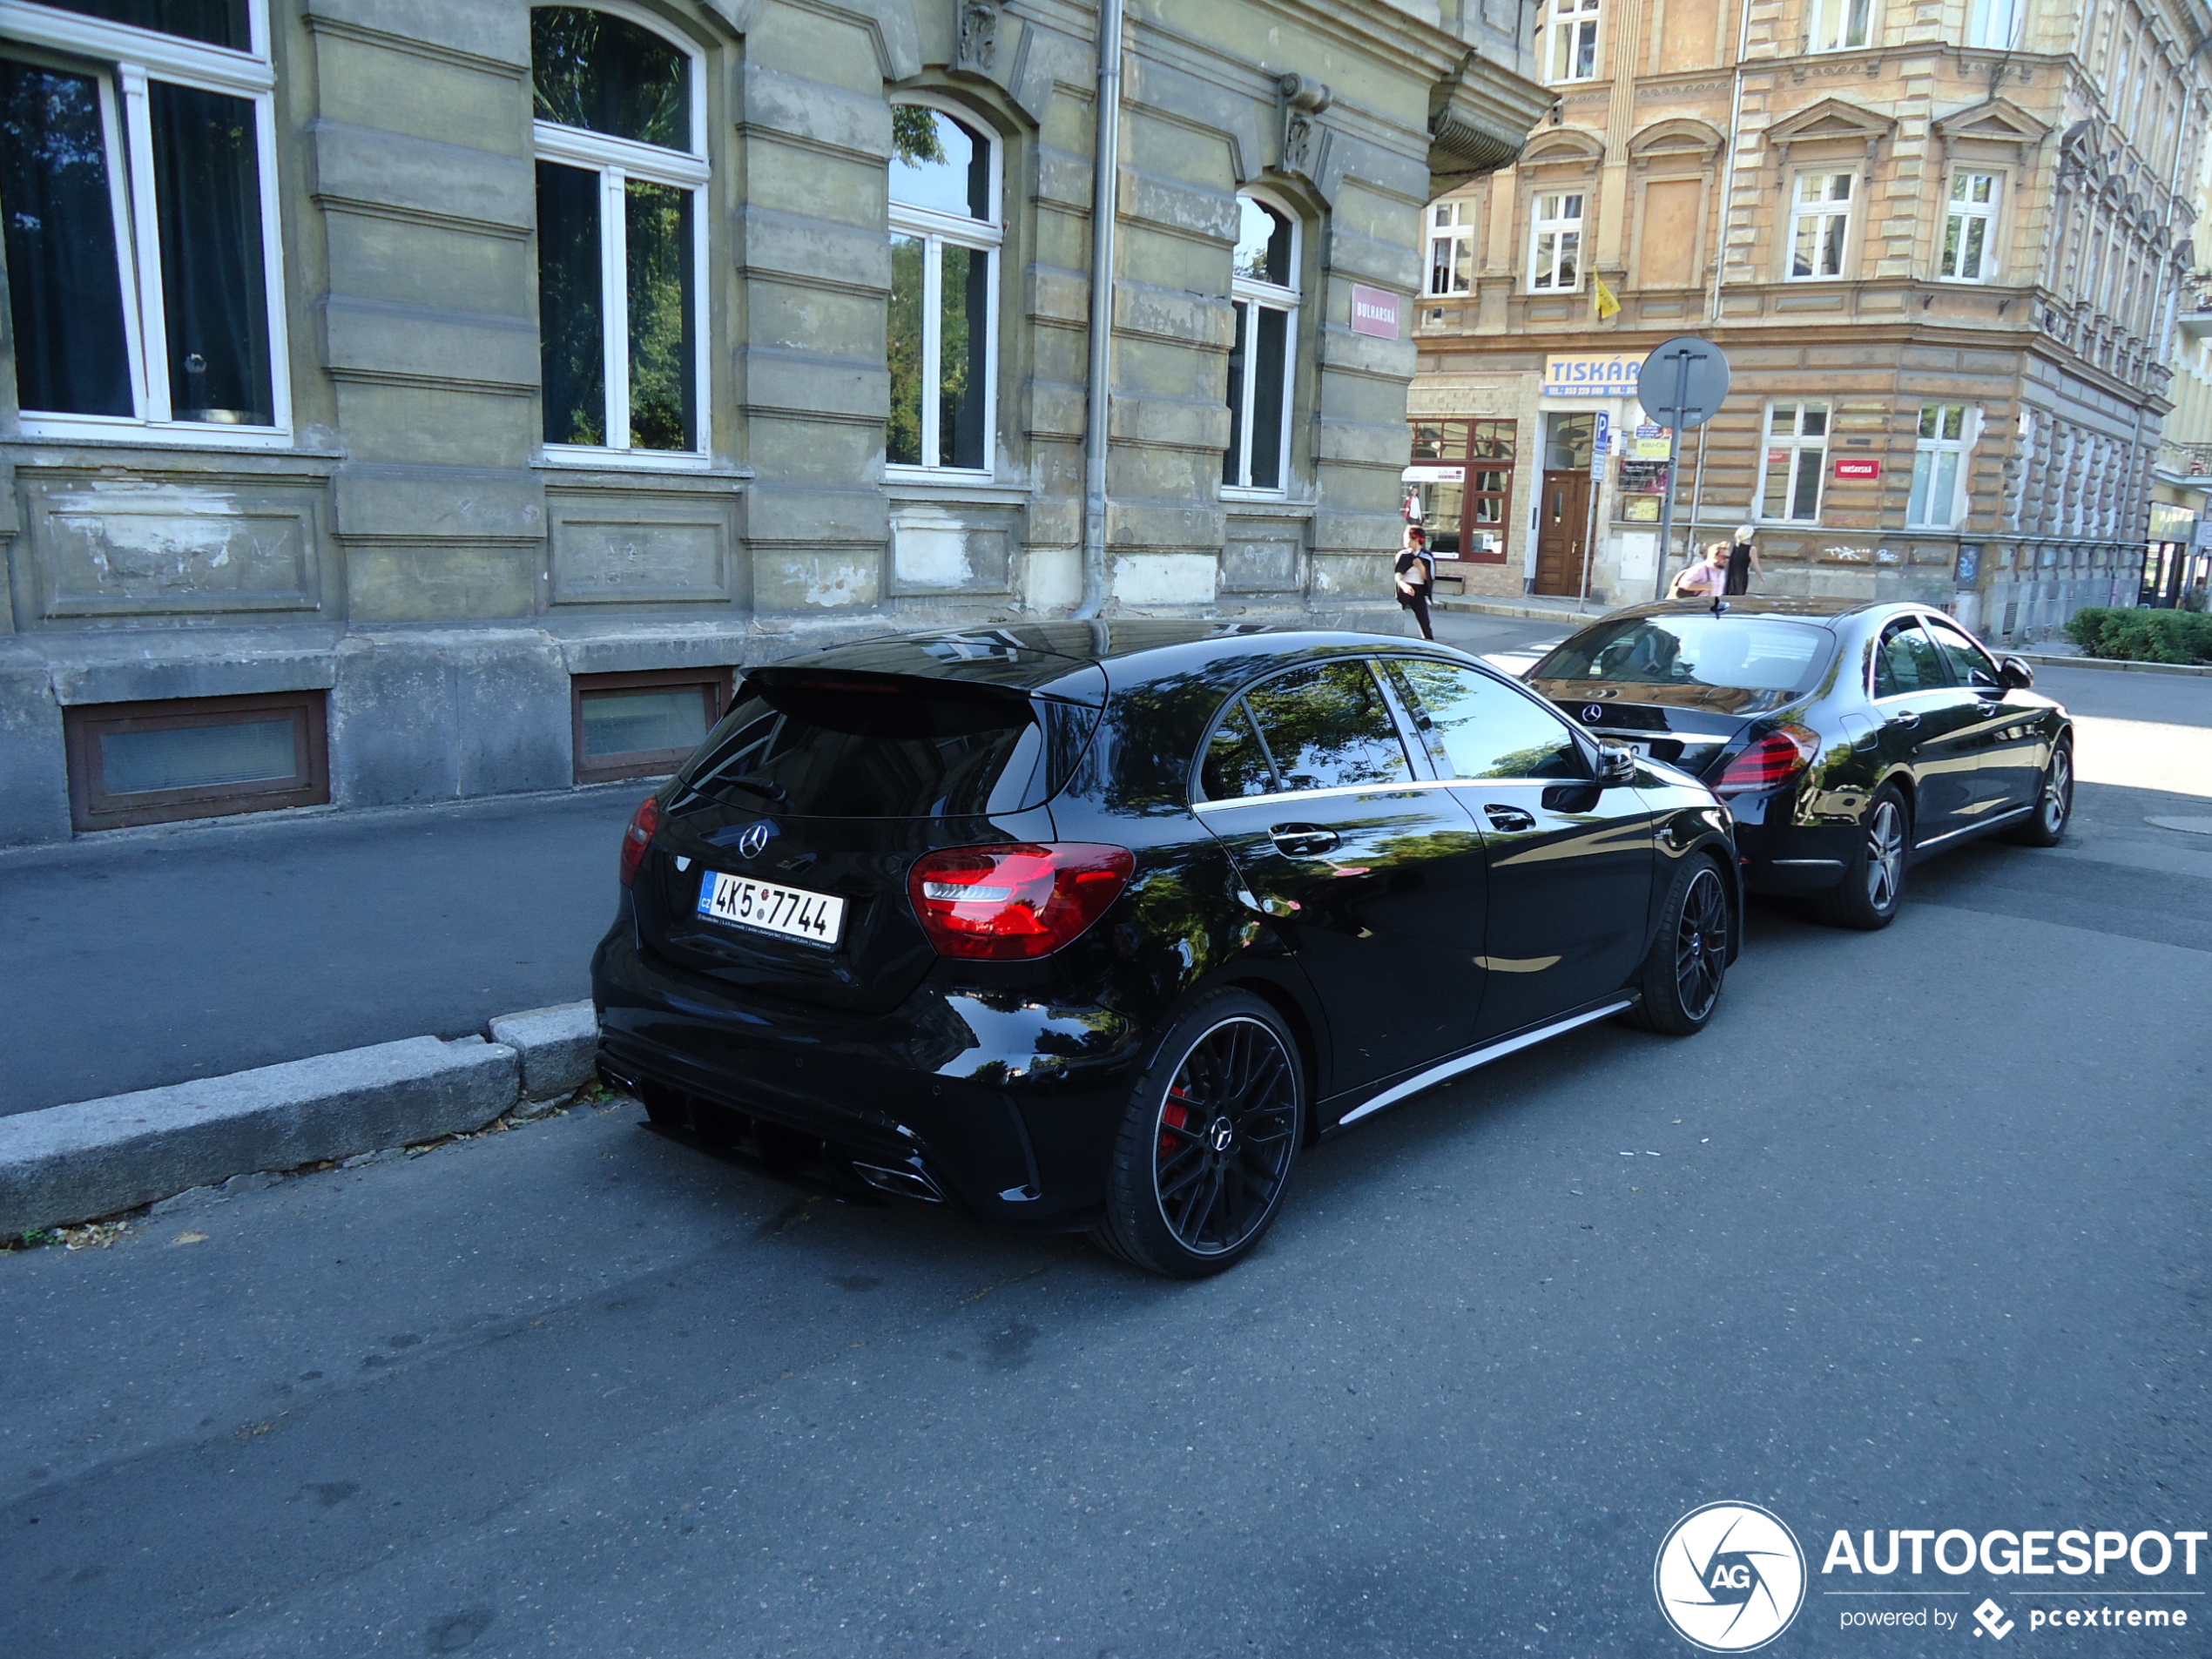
1797, 459
1459, 487
1970, 227
1555, 244
622, 170
138, 190
1451, 249
154, 763
1819, 225
1574, 40
947, 233
644, 726
1262, 359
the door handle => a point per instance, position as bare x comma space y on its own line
1301, 841
1510, 819
1905, 718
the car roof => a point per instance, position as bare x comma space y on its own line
1065, 658
1761, 605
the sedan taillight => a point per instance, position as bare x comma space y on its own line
1005, 904
638, 837
1771, 762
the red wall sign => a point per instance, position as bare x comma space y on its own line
1374, 311
1850, 467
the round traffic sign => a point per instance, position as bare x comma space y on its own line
1682, 382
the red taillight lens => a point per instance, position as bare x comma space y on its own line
1773, 760
638, 837
1009, 904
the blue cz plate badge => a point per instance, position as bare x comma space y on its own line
763, 907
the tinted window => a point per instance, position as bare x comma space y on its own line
854, 746
1741, 653
1489, 730
1235, 763
1967, 660
1908, 661
1328, 726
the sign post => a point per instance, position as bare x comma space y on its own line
1601, 446
1681, 386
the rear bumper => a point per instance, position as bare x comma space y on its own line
1794, 858
1008, 1109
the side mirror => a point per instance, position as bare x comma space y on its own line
1615, 764
2016, 673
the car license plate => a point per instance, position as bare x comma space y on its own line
791, 912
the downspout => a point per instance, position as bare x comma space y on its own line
1720, 256
1105, 206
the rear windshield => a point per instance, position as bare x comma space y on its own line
853, 745
1735, 653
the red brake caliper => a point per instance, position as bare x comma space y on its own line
1174, 1117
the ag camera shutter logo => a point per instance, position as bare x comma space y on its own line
1729, 1577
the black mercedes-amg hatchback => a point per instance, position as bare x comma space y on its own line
1089, 926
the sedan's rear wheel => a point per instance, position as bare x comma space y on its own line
1873, 883
1206, 1150
1688, 960
2045, 827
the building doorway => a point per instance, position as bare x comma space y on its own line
1563, 506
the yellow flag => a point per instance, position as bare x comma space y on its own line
1606, 305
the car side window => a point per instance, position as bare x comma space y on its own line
1488, 730
1970, 663
1327, 727
1908, 661
1235, 763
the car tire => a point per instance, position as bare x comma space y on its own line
2046, 826
1873, 883
1208, 1142
1682, 976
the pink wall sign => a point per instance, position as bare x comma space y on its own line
1375, 311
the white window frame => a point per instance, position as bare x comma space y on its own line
938, 231
1573, 24
1248, 297
1820, 210
1929, 451
1796, 443
1450, 231
1995, 24
1830, 24
1544, 273
122, 60
617, 161
1963, 213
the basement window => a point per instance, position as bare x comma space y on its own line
156, 763
644, 726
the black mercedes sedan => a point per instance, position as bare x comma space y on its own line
1848, 740
1097, 926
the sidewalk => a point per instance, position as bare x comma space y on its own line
147, 958
1533, 606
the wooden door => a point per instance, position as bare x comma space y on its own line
1562, 522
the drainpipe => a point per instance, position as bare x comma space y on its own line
1105, 206
1720, 259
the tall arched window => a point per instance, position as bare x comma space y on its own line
621, 139
1263, 361
945, 234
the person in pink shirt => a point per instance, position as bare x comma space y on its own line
1706, 577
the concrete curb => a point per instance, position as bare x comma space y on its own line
2046, 659
1502, 608
95, 1157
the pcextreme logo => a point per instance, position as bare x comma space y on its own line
1729, 1577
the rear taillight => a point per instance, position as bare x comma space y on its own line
1007, 904
638, 837
1771, 762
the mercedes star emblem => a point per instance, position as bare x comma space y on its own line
755, 841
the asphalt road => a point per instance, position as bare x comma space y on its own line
1912, 1236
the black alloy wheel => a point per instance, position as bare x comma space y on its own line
2046, 826
1205, 1152
1873, 883
1688, 960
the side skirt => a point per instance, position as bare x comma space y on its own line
1482, 1056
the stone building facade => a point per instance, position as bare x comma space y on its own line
1939, 242
411, 399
